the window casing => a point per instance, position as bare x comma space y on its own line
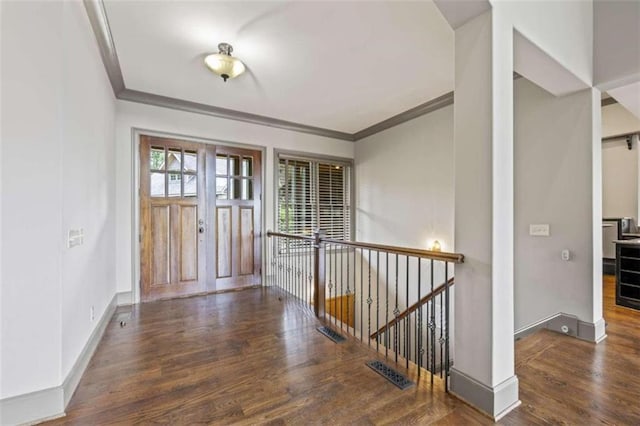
314, 194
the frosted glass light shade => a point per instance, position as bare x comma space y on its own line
224, 65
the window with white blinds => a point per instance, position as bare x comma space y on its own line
314, 194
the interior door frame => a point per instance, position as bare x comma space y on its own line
136, 132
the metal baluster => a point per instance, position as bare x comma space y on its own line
329, 248
335, 285
277, 259
432, 328
396, 312
327, 274
341, 289
361, 290
369, 301
419, 350
407, 331
354, 293
348, 288
441, 339
289, 277
386, 309
377, 296
446, 339
299, 273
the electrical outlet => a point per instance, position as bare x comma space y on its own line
92, 313
541, 230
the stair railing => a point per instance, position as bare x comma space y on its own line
394, 299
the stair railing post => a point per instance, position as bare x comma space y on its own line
318, 275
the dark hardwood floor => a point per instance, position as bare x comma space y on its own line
254, 357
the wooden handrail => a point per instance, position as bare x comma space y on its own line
425, 254
293, 236
436, 291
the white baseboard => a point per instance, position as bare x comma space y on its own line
32, 407
495, 402
568, 325
47, 404
124, 298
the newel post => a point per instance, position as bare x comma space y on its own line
318, 275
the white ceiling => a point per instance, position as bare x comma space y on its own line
337, 65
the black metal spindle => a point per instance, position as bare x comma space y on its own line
407, 331
369, 300
441, 339
361, 291
335, 285
446, 338
386, 309
396, 312
419, 320
341, 287
377, 295
432, 327
348, 289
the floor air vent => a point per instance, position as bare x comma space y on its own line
336, 337
390, 374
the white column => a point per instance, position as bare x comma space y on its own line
483, 374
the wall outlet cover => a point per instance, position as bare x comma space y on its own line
539, 230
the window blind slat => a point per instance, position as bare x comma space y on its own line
314, 195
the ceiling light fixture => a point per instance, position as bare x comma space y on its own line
223, 64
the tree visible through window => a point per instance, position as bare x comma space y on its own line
314, 194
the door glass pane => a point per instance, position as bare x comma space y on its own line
174, 159
234, 165
190, 162
247, 189
157, 158
221, 188
247, 166
190, 185
234, 188
157, 184
221, 164
175, 187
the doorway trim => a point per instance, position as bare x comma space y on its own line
136, 132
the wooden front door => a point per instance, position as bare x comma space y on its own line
172, 212
196, 234
237, 239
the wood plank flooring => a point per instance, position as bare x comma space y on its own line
254, 357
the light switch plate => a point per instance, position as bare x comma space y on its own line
540, 230
75, 237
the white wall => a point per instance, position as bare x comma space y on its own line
404, 178
31, 217
57, 173
132, 116
619, 179
88, 184
617, 120
553, 172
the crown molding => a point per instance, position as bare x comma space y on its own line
410, 114
198, 108
100, 24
